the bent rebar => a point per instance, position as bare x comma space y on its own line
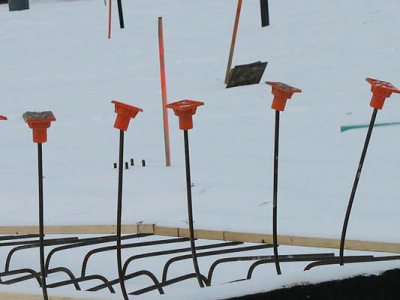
156, 285
210, 253
86, 278
35, 244
89, 242
351, 259
126, 246
258, 258
56, 270
169, 282
19, 271
174, 251
290, 258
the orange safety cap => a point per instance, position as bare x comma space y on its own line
185, 109
125, 113
282, 92
39, 122
380, 91
3, 118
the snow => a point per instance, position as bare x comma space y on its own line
56, 56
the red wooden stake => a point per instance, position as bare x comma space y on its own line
109, 19
164, 92
233, 43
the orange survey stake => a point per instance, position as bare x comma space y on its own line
380, 91
185, 109
39, 122
282, 92
125, 113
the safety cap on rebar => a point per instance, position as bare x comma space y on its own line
282, 92
380, 91
3, 118
125, 113
185, 109
39, 122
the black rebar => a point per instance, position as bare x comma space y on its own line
355, 184
120, 15
175, 251
48, 242
290, 258
169, 282
264, 13
157, 284
159, 253
350, 259
18, 237
210, 253
190, 209
88, 242
41, 222
126, 246
83, 279
266, 259
275, 195
36, 243
33, 274
119, 213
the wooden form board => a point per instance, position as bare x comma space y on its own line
208, 234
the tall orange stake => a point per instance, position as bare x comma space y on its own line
164, 92
109, 19
233, 42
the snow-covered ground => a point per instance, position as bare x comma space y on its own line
56, 56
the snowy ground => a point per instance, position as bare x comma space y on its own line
56, 56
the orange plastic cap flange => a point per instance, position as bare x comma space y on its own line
125, 113
380, 91
39, 122
3, 118
185, 109
282, 92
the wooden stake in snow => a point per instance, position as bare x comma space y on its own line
109, 19
164, 92
233, 42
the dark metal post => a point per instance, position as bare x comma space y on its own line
120, 14
119, 214
355, 184
190, 209
264, 13
41, 223
275, 194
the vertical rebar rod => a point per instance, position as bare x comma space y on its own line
275, 194
119, 214
233, 42
190, 209
120, 14
355, 184
264, 13
41, 223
